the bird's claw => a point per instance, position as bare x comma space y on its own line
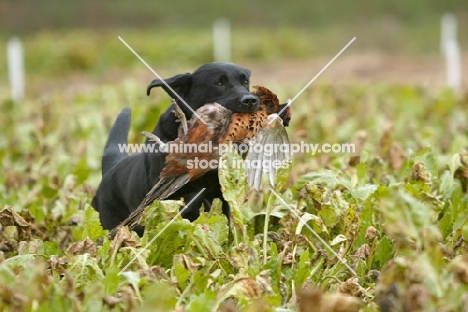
180, 117
152, 137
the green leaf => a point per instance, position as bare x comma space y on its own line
206, 240
200, 281
363, 192
181, 273
384, 252
202, 302
7, 275
111, 281
303, 269
333, 209
159, 297
85, 271
172, 239
361, 171
232, 177
91, 225
330, 178
219, 229
134, 280
316, 224
22, 261
282, 176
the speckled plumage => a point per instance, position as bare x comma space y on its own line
220, 126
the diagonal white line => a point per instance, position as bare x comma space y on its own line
159, 77
313, 79
315, 233
160, 232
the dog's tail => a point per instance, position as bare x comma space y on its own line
118, 135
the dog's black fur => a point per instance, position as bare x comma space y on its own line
127, 179
223, 83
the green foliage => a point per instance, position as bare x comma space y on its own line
393, 214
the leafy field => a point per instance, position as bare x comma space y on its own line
395, 211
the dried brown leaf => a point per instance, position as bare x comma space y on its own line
391, 150
313, 300
123, 238
241, 287
363, 251
371, 233
420, 173
111, 301
9, 217
417, 296
359, 140
396, 156
86, 246
459, 267
350, 287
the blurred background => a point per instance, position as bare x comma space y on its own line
281, 41
386, 94
79, 75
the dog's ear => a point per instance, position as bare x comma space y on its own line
179, 84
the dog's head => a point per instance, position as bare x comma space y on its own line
223, 83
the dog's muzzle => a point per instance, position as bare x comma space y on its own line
250, 102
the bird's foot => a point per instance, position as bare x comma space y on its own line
180, 117
154, 138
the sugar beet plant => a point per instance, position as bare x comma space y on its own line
382, 228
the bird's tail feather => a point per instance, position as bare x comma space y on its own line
162, 190
168, 186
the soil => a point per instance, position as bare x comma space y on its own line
364, 68
345, 70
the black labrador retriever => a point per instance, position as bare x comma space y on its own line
127, 179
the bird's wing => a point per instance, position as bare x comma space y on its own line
269, 151
176, 172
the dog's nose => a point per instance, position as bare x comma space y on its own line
250, 101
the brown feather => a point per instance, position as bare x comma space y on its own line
222, 126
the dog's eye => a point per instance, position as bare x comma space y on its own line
220, 84
246, 81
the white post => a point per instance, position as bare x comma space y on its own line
451, 50
222, 40
15, 59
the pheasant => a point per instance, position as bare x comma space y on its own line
214, 125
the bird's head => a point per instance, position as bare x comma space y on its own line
270, 101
